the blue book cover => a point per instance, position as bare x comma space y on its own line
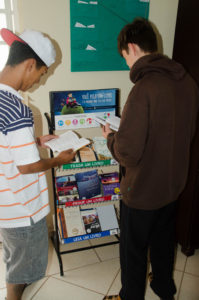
88, 184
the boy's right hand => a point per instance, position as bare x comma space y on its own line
66, 157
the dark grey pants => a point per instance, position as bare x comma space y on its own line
142, 230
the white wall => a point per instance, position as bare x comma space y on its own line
53, 18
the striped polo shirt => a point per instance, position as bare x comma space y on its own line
22, 196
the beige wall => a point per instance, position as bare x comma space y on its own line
53, 18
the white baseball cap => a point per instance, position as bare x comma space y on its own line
40, 44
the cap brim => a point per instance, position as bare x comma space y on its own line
9, 37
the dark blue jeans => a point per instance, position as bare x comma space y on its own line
143, 230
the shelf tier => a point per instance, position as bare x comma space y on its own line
91, 201
90, 236
90, 164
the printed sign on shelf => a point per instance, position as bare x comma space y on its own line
76, 109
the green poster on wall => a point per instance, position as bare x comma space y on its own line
95, 26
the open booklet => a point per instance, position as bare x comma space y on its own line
112, 120
67, 140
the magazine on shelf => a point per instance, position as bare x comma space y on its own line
88, 184
110, 183
90, 220
73, 220
107, 217
67, 140
66, 188
101, 149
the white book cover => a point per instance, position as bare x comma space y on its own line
114, 121
73, 221
67, 140
107, 217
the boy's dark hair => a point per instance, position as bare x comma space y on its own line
19, 52
139, 32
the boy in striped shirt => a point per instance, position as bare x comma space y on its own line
24, 200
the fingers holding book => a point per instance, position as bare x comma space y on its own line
66, 156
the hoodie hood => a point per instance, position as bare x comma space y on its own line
156, 63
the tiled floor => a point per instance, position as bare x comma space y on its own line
91, 274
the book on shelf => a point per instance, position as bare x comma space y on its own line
90, 220
73, 220
101, 149
113, 121
67, 140
110, 183
107, 217
66, 188
61, 223
88, 184
87, 154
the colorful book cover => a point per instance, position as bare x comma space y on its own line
110, 183
88, 184
66, 188
90, 220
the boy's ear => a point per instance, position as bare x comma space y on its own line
132, 48
30, 64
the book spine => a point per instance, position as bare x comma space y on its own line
65, 234
60, 230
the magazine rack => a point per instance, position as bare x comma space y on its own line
55, 236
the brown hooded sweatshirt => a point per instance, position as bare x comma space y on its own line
156, 130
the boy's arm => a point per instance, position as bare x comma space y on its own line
64, 157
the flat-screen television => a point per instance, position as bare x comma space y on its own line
76, 109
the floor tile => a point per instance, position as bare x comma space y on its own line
70, 260
189, 288
192, 265
180, 260
116, 285
59, 290
108, 251
32, 289
150, 294
97, 277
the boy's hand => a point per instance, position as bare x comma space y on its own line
45, 138
106, 130
66, 157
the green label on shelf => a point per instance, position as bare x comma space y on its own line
90, 164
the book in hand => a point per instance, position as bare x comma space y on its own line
67, 140
66, 188
89, 185
110, 183
90, 220
113, 121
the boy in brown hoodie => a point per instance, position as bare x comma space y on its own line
152, 146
